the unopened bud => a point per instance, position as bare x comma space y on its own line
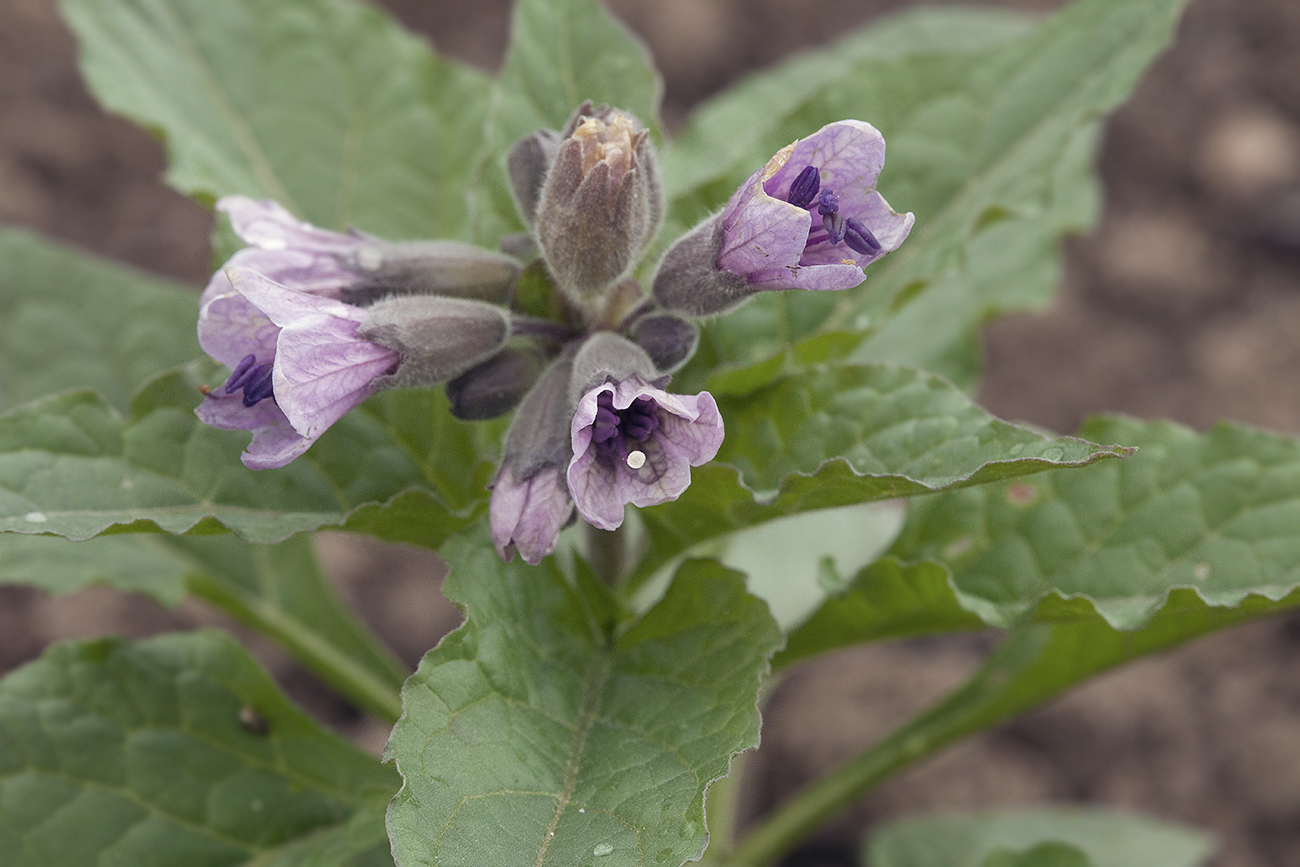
428, 268
438, 337
527, 164
601, 202
606, 356
539, 433
495, 386
669, 340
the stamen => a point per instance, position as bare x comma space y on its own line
240, 374
859, 238
828, 203
258, 386
636, 459
835, 227
805, 187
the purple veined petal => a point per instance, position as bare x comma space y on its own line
322, 369
761, 233
275, 442
528, 516
889, 228
848, 153
230, 326
688, 433
268, 225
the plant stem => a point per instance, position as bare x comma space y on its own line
605, 553
357, 682
978, 704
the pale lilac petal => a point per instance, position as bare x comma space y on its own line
765, 234
689, 434
889, 227
848, 153
528, 516
322, 369
289, 251
275, 442
270, 226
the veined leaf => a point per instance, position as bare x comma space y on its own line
840, 434
175, 750
1214, 514
539, 734
326, 106
992, 129
73, 466
1109, 838
68, 320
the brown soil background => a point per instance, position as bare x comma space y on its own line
1184, 303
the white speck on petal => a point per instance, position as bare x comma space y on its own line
636, 459
274, 244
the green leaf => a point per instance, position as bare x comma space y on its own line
992, 130
73, 466
1213, 514
1041, 855
533, 735
888, 599
279, 590
1105, 838
68, 319
176, 750
842, 434
324, 105
561, 53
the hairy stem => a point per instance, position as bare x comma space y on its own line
606, 554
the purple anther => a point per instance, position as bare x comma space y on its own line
859, 238
804, 189
240, 374
605, 426
639, 419
835, 226
828, 203
258, 385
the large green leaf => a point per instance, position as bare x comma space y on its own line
73, 466
1215, 513
278, 589
992, 128
68, 319
1109, 839
841, 434
561, 53
324, 105
539, 733
176, 750
887, 599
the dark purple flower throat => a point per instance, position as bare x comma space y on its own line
613, 429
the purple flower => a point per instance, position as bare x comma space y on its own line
635, 443
809, 219
527, 516
297, 363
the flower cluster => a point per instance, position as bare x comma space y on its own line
311, 322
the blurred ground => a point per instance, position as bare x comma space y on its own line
1185, 303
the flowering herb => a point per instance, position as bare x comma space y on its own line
595, 371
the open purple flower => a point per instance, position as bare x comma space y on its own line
635, 443
297, 363
809, 219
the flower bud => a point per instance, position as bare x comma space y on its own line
449, 268
669, 340
527, 164
606, 356
495, 386
601, 201
438, 337
530, 500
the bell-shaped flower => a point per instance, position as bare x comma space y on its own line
530, 501
632, 441
297, 364
809, 219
